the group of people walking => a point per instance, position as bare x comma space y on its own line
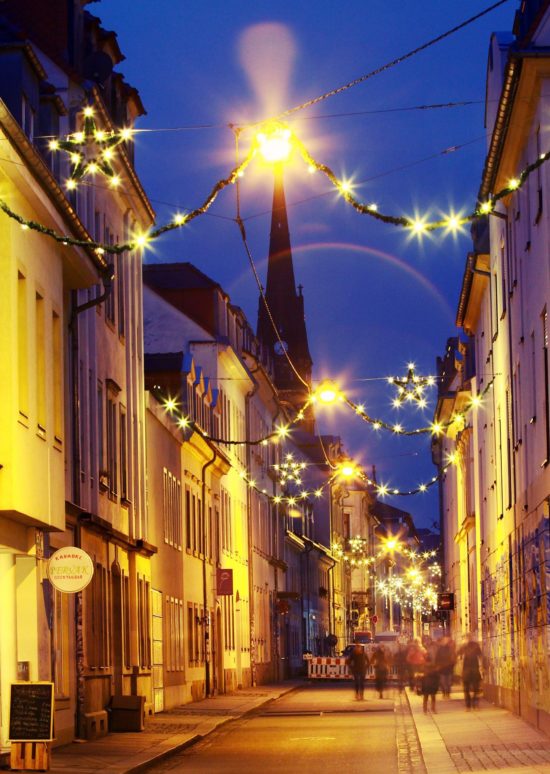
359, 662
426, 667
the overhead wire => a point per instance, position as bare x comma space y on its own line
388, 65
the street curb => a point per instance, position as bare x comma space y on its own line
144, 765
433, 747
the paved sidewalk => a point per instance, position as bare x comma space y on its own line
454, 740
131, 752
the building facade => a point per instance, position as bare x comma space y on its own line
495, 510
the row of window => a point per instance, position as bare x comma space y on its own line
39, 360
200, 521
108, 444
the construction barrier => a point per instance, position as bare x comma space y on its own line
335, 668
328, 668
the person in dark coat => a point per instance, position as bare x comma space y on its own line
429, 684
471, 671
445, 658
381, 668
357, 664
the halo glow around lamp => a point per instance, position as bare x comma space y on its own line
275, 143
327, 393
347, 469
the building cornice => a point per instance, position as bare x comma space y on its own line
474, 282
518, 89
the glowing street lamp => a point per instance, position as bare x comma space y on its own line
347, 469
327, 393
275, 142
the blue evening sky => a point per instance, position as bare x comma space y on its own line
375, 299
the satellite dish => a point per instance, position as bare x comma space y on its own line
98, 67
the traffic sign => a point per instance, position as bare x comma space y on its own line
374, 618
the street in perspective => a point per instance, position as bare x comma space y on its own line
275, 386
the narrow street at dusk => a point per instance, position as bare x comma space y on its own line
275, 386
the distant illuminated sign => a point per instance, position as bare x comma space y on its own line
224, 582
70, 569
446, 601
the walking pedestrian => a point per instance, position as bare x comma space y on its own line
358, 662
401, 667
429, 683
416, 656
381, 667
445, 659
471, 671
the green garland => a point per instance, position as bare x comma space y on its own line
81, 167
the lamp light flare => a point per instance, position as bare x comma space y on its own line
347, 469
275, 143
326, 393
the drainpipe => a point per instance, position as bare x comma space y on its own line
331, 614
206, 615
307, 613
251, 608
107, 280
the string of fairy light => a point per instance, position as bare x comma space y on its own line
290, 470
328, 393
414, 586
92, 151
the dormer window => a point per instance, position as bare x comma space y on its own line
27, 117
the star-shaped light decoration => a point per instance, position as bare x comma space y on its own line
411, 387
290, 470
91, 150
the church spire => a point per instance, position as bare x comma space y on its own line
286, 306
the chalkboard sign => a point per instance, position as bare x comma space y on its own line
31, 712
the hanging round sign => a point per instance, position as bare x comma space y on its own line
70, 569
